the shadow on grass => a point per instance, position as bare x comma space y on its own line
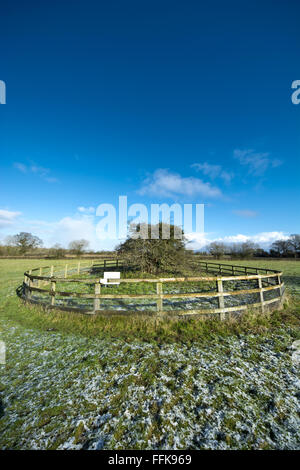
293, 284
1, 408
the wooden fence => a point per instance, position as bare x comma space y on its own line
266, 280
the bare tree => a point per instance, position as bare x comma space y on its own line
248, 249
24, 241
78, 246
57, 251
281, 247
217, 249
243, 250
294, 244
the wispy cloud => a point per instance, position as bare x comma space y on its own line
8, 218
165, 183
213, 171
21, 167
256, 162
86, 210
44, 173
246, 213
51, 179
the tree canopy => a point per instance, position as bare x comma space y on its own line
217, 249
25, 241
154, 255
78, 246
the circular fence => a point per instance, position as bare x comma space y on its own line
220, 290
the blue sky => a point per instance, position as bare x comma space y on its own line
165, 101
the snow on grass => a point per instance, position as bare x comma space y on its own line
74, 391
71, 392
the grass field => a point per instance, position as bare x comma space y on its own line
73, 382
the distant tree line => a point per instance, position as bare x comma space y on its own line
25, 243
289, 248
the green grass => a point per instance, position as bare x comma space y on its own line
141, 326
290, 269
76, 381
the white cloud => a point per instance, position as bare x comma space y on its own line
264, 239
168, 184
196, 241
51, 179
245, 213
75, 228
257, 163
86, 210
213, 171
83, 225
62, 231
8, 218
68, 229
21, 167
37, 170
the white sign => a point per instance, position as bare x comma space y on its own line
2, 352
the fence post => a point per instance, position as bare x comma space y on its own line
261, 294
29, 284
78, 267
281, 291
97, 292
52, 292
25, 288
39, 281
221, 298
159, 302
51, 271
66, 271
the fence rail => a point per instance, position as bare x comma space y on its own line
267, 280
